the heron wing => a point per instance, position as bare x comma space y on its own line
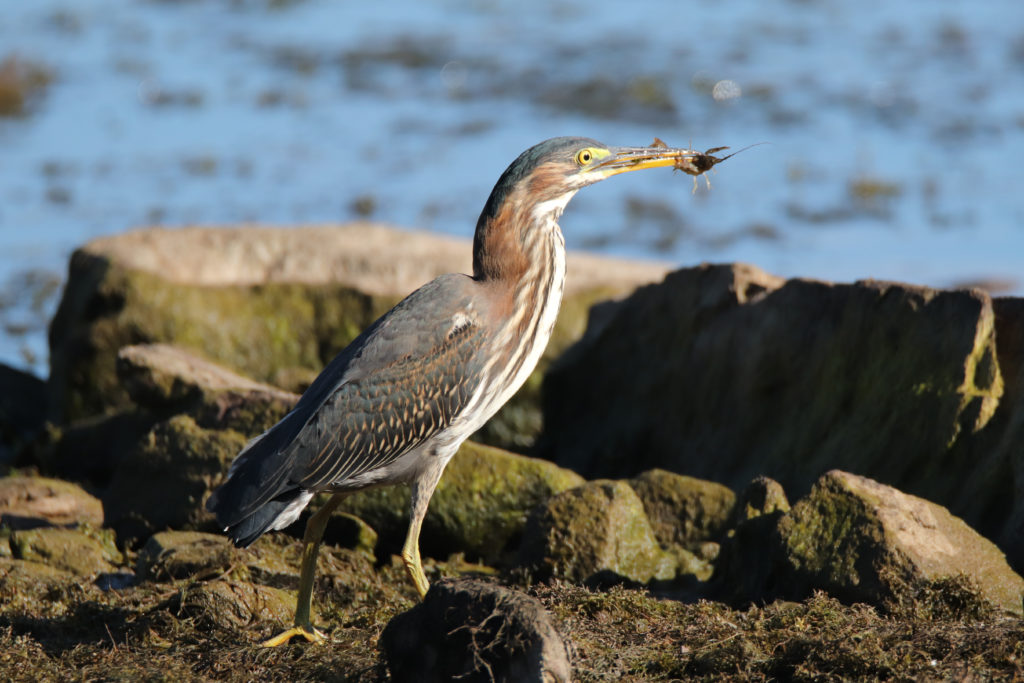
399, 383
372, 419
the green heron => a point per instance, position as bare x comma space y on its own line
396, 404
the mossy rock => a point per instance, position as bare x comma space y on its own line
734, 373
272, 304
15, 572
263, 331
234, 605
762, 496
166, 480
166, 379
84, 552
170, 555
479, 508
862, 540
684, 511
597, 528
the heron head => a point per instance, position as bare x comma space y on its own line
547, 175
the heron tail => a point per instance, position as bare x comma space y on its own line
257, 496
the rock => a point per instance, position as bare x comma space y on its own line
118, 452
90, 450
599, 527
15, 572
863, 541
683, 511
171, 555
479, 508
269, 303
83, 552
730, 373
23, 410
348, 531
995, 483
233, 605
687, 516
28, 502
164, 378
166, 480
746, 565
856, 537
470, 630
762, 496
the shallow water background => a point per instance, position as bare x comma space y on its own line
896, 129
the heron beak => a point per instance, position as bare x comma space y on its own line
625, 159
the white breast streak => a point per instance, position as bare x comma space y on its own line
483, 404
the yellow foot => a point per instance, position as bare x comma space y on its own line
307, 632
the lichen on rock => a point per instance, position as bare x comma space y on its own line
479, 508
165, 481
859, 539
84, 551
599, 527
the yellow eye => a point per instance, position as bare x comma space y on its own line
584, 157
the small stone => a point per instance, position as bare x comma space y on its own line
466, 629
83, 552
683, 511
170, 555
27, 502
234, 605
599, 527
762, 496
15, 572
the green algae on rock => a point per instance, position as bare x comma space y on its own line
736, 373
598, 527
762, 496
164, 483
269, 303
479, 508
860, 540
683, 511
15, 573
232, 605
85, 552
170, 555
865, 542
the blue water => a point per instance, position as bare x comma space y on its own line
285, 112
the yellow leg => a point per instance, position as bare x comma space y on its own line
422, 490
310, 549
411, 557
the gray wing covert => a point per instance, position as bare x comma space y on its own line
389, 402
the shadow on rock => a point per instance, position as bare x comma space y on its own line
470, 630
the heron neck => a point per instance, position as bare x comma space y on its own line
526, 302
515, 235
